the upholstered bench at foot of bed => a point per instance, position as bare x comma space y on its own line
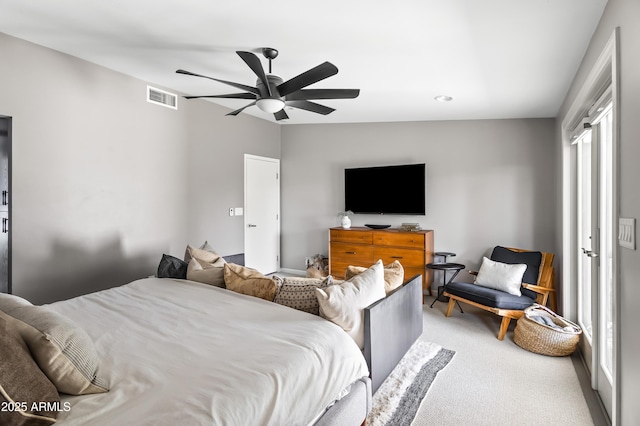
350, 409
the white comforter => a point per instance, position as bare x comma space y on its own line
183, 353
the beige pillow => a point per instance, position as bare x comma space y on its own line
249, 281
501, 276
343, 304
205, 252
8, 302
393, 275
300, 293
22, 382
63, 351
205, 272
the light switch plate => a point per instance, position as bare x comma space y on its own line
627, 232
239, 211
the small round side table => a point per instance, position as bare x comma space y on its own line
444, 267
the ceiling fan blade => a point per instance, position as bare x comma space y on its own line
256, 66
229, 96
281, 115
230, 83
238, 111
311, 106
322, 71
303, 95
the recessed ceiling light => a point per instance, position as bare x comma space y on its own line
443, 98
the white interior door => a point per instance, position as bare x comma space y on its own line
262, 213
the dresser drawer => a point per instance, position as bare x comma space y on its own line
406, 257
404, 239
351, 236
344, 254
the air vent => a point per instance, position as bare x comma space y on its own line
160, 97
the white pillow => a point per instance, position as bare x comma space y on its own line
343, 304
501, 276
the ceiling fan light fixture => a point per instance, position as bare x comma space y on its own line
270, 105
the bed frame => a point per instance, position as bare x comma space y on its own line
391, 327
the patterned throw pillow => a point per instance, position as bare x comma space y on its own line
248, 281
300, 293
393, 275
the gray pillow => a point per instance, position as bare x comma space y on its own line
172, 267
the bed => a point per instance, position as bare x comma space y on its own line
185, 353
182, 352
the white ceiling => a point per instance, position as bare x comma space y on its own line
496, 58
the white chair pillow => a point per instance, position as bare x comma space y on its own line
501, 276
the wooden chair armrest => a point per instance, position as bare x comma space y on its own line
538, 289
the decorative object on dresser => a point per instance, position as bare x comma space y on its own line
345, 219
360, 246
410, 226
376, 226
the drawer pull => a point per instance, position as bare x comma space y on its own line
396, 257
350, 252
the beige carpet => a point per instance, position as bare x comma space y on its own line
491, 382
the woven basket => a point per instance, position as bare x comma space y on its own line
544, 339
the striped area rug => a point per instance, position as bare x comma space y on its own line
398, 399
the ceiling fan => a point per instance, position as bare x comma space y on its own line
271, 94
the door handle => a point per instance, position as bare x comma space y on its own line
589, 253
5, 225
5, 195
251, 226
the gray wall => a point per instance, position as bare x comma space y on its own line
489, 182
623, 14
105, 182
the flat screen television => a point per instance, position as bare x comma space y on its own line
386, 189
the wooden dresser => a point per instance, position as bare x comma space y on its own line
363, 247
